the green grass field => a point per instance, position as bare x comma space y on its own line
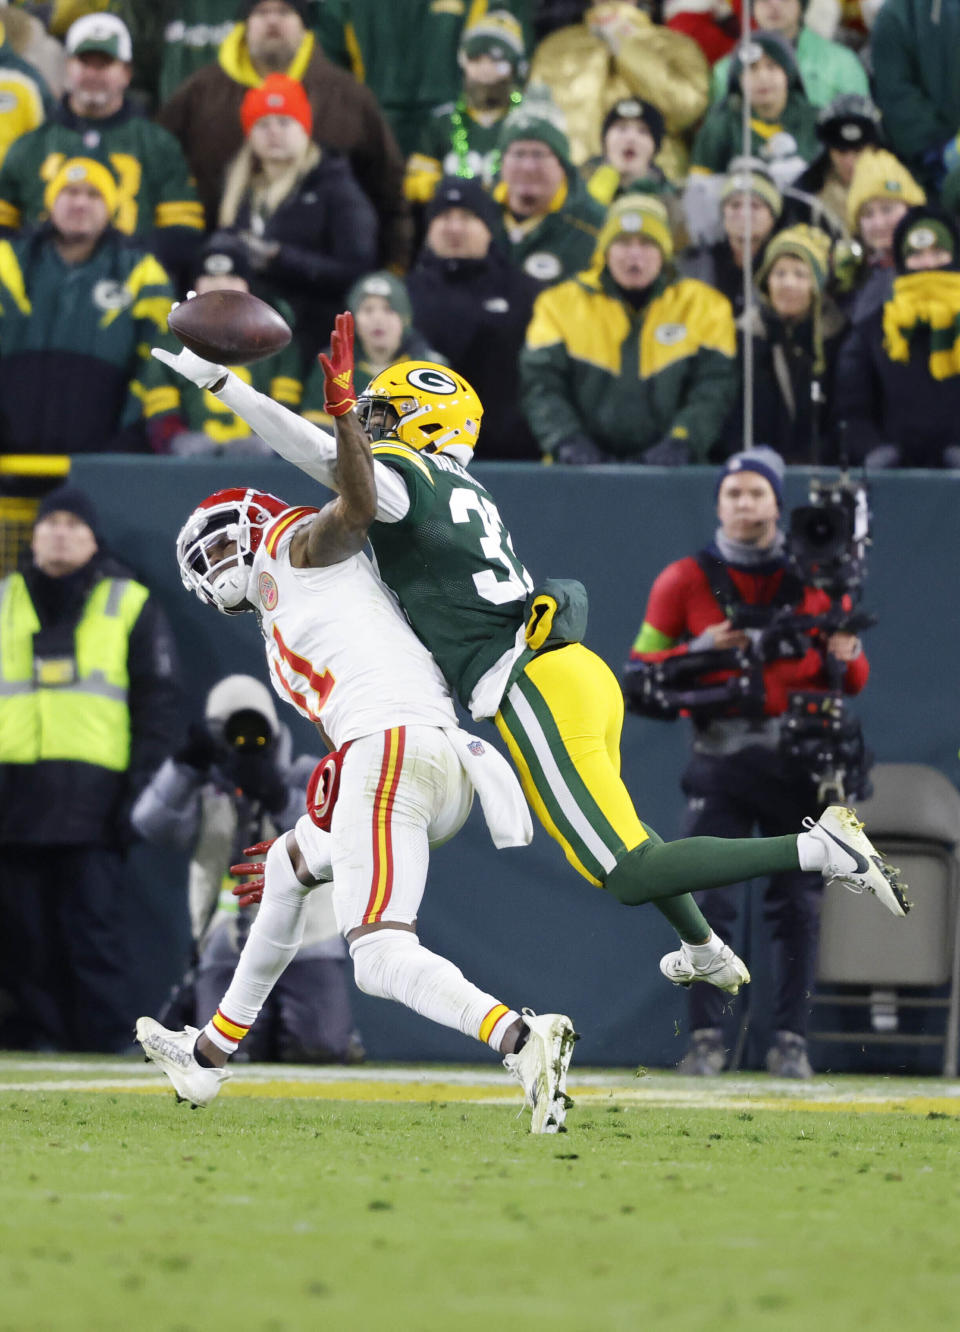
415, 1199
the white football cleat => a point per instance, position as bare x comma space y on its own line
724, 970
854, 861
172, 1051
541, 1066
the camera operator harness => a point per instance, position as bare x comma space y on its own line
816, 732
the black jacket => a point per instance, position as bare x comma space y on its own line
476, 311
783, 410
894, 402
63, 802
715, 265
327, 230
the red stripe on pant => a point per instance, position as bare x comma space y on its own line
390, 770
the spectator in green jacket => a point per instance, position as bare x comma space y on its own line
783, 122
461, 138
79, 307
826, 67
383, 320
627, 362
549, 220
631, 138
156, 197
917, 83
405, 51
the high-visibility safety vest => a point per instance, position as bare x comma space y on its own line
72, 708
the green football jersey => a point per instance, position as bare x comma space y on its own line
451, 564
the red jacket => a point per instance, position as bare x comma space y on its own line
682, 605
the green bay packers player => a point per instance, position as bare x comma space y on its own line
510, 651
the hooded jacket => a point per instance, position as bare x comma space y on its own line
720, 137
204, 114
826, 69
556, 244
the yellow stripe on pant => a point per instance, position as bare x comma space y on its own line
561, 721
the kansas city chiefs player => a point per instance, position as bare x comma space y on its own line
512, 651
401, 779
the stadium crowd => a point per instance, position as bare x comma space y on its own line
595, 213
558, 199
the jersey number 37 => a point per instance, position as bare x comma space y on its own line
495, 586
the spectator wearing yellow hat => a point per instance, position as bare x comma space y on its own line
79, 304
627, 362
795, 330
881, 191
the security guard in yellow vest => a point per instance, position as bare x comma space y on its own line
88, 704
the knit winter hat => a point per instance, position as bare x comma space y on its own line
70, 499
302, 7
78, 169
922, 227
806, 243
537, 118
634, 108
764, 43
763, 460
499, 35
382, 284
880, 175
224, 253
849, 121
632, 215
463, 192
278, 95
749, 175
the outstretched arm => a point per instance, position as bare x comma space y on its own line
297, 440
340, 528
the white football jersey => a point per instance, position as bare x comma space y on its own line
338, 646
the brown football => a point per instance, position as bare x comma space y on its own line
229, 327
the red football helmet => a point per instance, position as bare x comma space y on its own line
239, 515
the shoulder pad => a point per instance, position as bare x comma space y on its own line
394, 451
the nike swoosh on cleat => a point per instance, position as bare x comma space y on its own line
860, 862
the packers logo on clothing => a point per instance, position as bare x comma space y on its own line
432, 381
543, 266
668, 335
111, 295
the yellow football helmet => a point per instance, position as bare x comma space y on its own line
428, 406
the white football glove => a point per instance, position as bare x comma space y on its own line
193, 367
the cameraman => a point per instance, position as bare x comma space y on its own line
736, 778
230, 785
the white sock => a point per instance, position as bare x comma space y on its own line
705, 951
393, 964
271, 945
812, 851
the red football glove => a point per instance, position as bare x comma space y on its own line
339, 394
248, 894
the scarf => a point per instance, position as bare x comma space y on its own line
931, 300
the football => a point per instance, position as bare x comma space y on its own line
229, 327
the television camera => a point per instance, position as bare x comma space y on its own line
827, 541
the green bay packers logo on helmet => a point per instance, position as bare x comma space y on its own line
427, 406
